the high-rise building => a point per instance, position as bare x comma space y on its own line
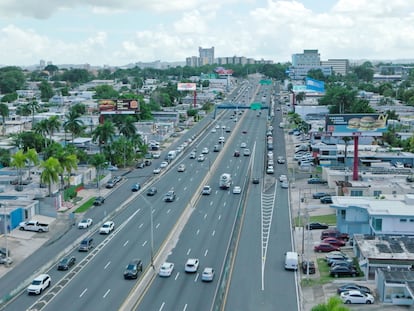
206, 56
307, 58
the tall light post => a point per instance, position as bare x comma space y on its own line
5, 232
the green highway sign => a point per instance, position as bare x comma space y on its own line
265, 82
256, 106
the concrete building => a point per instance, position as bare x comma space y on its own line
206, 56
309, 58
339, 66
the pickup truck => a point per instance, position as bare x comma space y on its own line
33, 226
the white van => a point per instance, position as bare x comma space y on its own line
291, 261
171, 155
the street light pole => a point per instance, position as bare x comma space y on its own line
152, 238
5, 233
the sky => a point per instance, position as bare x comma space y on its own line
120, 32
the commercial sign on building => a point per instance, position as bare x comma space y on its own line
315, 85
356, 124
186, 86
118, 106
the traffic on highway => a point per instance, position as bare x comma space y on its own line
186, 234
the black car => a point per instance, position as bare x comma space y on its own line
140, 164
237, 153
337, 271
131, 271
317, 180
255, 180
326, 200
151, 191
353, 286
311, 265
99, 201
66, 263
316, 225
319, 195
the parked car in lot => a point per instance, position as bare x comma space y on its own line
107, 227
151, 191
166, 269
317, 180
191, 265
66, 263
311, 265
336, 256
318, 195
207, 275
355, 296
334, 233
334, 242
135, 187
326, 199
325, 247
132, 269
99, 201
352, 286
343, 271
85, 223
316, 225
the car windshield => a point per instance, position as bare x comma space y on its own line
64, 261
131, 267
36, 282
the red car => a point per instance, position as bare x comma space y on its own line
325, 247
334, 242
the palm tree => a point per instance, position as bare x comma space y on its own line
23, 110
104, 134
68, 162
34, 107
51, 171
127, 127
19, 162
73, 124
53, 124
346, 140
32, 158
4, 112
99, 162
42, 129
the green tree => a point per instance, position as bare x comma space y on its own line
333, 304
99, 162
365, 72
41, 128
51, 172
338, 99
9, 98
34, 107
4, 112
11, 79
46, 91
53, 125
73, 124
23, 110
316, 74
32, 159
300, 97
68, 162
19, 162
126, 126
104, 134
105, 92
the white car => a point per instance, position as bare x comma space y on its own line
355, 296
282, 178
284, 184
243, 145
107, 227
181, 168
217, 126
166, 269
156, 155
191, 265
204, 151
207, 275
39, 284
157, 170
193, 155
213, 130
200, 158
246, 152
206, 190
221, 140
237, 190
85, 223
281, 160
164, 164
270, 170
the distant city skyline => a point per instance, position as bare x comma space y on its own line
118, 33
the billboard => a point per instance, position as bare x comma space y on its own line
356, 124
315, 85
118, 106
224, 71
186, 86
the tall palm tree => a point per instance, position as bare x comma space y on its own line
51, 171
127, 127
19, 162
4, 112
99, 162
346, 140
42, 128
34, 107
32, 158
104, 134
73, 124
53, 124
23, 110
68, 162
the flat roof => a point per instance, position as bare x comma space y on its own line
386, 248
